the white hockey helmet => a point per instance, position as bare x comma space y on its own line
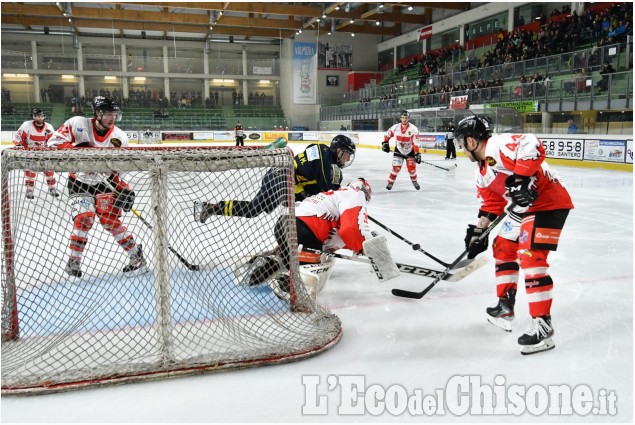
363, 185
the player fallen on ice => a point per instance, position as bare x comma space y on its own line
317, 169
328, 221
33, 134
406, 149
95, 195
513, 166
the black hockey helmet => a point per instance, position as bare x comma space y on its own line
405, 113
37, 111
103, 104
476, 126
362, 184
345, 145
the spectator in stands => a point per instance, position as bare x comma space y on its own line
572, 129
343, 128
607, 69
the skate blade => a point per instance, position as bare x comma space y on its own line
544, 345
278, 292
138, 272
504, 324
197, 210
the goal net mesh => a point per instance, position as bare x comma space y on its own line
61, 332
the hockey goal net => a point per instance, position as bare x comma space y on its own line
61, 332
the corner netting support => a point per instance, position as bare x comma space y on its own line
195, 306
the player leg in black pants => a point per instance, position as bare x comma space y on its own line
273, 191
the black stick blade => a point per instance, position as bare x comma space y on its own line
407, 294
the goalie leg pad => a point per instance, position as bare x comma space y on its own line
377, 251
316, 275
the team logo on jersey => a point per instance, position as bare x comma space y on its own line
79, 129
523, 237
490, 161
116, 142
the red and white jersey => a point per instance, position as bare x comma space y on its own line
29, 136
524, 155
80, 131
338, 218
405, 137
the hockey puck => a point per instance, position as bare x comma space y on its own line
416, 247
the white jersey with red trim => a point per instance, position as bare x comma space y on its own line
405, 137
80, 131
338, 218
524, 155
29, 136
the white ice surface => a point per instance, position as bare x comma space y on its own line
421, 343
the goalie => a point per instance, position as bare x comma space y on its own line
327, 221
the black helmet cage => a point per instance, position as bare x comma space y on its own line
345, 145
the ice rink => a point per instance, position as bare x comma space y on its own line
428, 344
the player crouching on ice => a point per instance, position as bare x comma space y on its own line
327, 222
91, 195
513, 166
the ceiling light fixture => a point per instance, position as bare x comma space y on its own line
410, 8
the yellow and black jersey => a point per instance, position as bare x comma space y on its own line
316, 171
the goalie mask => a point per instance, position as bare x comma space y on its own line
344, 148
362, 185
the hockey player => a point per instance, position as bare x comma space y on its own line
239, 133
513, 166
32, 134
405, 148
317, 169
328, 221
94, 195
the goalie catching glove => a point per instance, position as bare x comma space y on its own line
472, 242
125, 200
385, 147
523, 191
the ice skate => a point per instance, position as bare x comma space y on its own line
389, 186
29, 194
281, 287
137, 262
73, 267
502, 314
204, 210
416, 185
54, 192
538, 337
262, 269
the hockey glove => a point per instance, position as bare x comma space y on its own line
472, 243
418, 158
522, 192
385, 147
125, 200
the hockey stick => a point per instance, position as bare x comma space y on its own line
190, 266
416, 270
417, 247
279, 143
399, 154
419, 295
